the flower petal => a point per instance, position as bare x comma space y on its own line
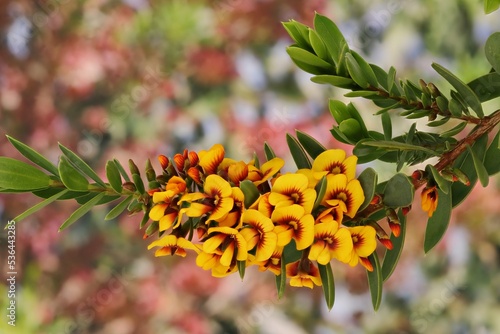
158, 211
210, 160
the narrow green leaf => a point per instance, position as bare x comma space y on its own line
40, 205
118, 209
465, 91
492, 48
399, 191
394, 145
486, 87
440, 181
139, 183
281, 279
387, 126
81, 211
328, 283
268, 151
34, 156
310, 145
71, 177
391, 257
242, 265
481, 171
455, 108
250, 191
334, 80
318, 46
145, 219
381, 75
357, 116
320, 191
491, 159
338, 110
310, 68
442, 103
390, 107
438, 122
290, 253
298, 153
418, 114
391, 77
123, 173
375, 281
356, 72
351, 129
331, 36
491, 5
366, 69
18, 175
361, 93
368, 180
338, 135
307, 57
298, 32
113, 175
81, 165
454, 131
438, 223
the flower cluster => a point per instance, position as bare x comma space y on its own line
234, 214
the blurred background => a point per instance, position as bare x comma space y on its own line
137, 78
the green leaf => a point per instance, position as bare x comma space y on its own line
139, 183
250, 191
438, 178
491, 161
320, 191
318, 46
18, 175
338, 135
391, 257
298, 153
122, 170
34, 156
356, 115
334, 80
382, 76
356, 72
465, 163
366, 69
298, 32
281, 279
491, 5
40, 205
113, 175
331, 36
71, 177
242, 265
91, 194
387, 126
454, 131
351, 129
307, 57
328, 283
438, 122
438, 223
375, 281
118, 209
481, 171
368, 180
290, 253
361, 93
399, 191
81, 165
268, 151
338, 110
455, 107
390, 107
394, 145
308, 68
486, 87
310, 145
81, 211
492, 48
391, 78
465, 91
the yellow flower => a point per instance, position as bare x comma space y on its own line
170, 245
303, 273
429, 200
166, 210
334, 162
211, 261
266, 171
273, 264
259, 233
217, 199
233, 218
364, 241
229, 242
210, 160
292, 222
291, 189
346, 194
331, 242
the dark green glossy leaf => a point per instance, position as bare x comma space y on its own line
34, 156
310, 145
339, 111
492, 50
375, 281
334, 80
119, 208
123, 173
438, 223
454, 131
438, 178
281, 279
290, 253
139, 183
40, 205
242, 265
382, 76
71, 177
361, 93
394, 145
113, 175
298, 153
328, 283
486, 87
268, 151
357, 116
455, 107
356, 72
438, 122
366, 69
81, 211
481, 171
399, 191
391, 257
18, 175
320, 191
465, 91
387, 126
491, 159
250, 191
338, 135
81, 165
368, 180
351, 129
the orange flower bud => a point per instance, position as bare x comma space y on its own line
179, 162
163, 161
